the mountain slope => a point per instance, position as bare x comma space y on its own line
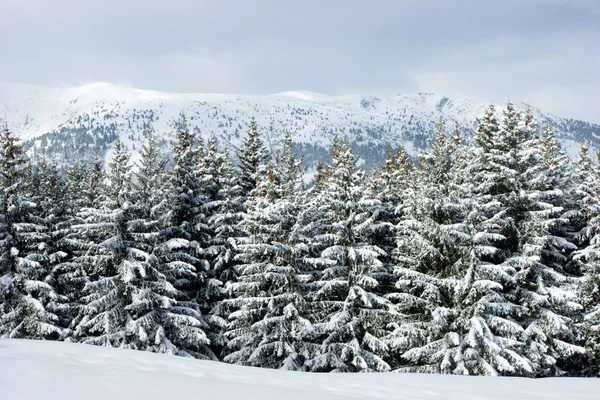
76, 123
56, 370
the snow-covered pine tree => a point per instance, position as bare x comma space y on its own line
130, 299
558, 189
391, 186
85, 188
513, 310
392, 180
52, 215
119, 176
587, 179
223, 211
349, 310
24, 291
102, 243
289, 170
492, 341
149, 182
473, 328
95, 189
188, 222
252, 157
432, 254
542, 284
76, 178
268, 327
164, 318
226, 204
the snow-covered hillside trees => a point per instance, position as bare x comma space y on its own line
477, 258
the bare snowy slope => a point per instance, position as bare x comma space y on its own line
73, 123
33, 370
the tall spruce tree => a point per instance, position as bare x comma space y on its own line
104, 245
51, 218
432, 255
188, 222
253, 157
349, 311
460, 277
85, 189
587, 179
164, 318
269, 327
25, 292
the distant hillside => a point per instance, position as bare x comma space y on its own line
79, 123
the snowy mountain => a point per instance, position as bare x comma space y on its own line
80, 122
53, 370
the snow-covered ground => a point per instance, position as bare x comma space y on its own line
35, 370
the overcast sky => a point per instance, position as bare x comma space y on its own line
545, 52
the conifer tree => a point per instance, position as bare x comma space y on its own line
543, 284
459, 279
391, 182
133, 299
268, 327
289, 169
252, 157
95, 188
188, 222
185, 237
509, 237
164, 318
433, 246
76, 179
588, 257
226, 216
51, 217
85, 189
25, 293
223, 210
103, 242
350, 313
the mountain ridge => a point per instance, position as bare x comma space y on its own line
77, 123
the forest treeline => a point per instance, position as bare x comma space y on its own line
480, 258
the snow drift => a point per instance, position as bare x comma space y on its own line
33, 370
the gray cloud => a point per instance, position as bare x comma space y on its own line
545, 52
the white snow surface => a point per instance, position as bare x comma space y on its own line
33, 370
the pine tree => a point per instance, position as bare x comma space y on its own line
119, 175
252, 157
76, 180
588, 257
85, 189
432, 255
390, 183
349, 311
528, 311
222, 208
103, 245
163, 318
289, 169
268, 327
495, 238
24, 291
95, 188
188, 221
52, 216
543, 284
459, 277
227, 212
